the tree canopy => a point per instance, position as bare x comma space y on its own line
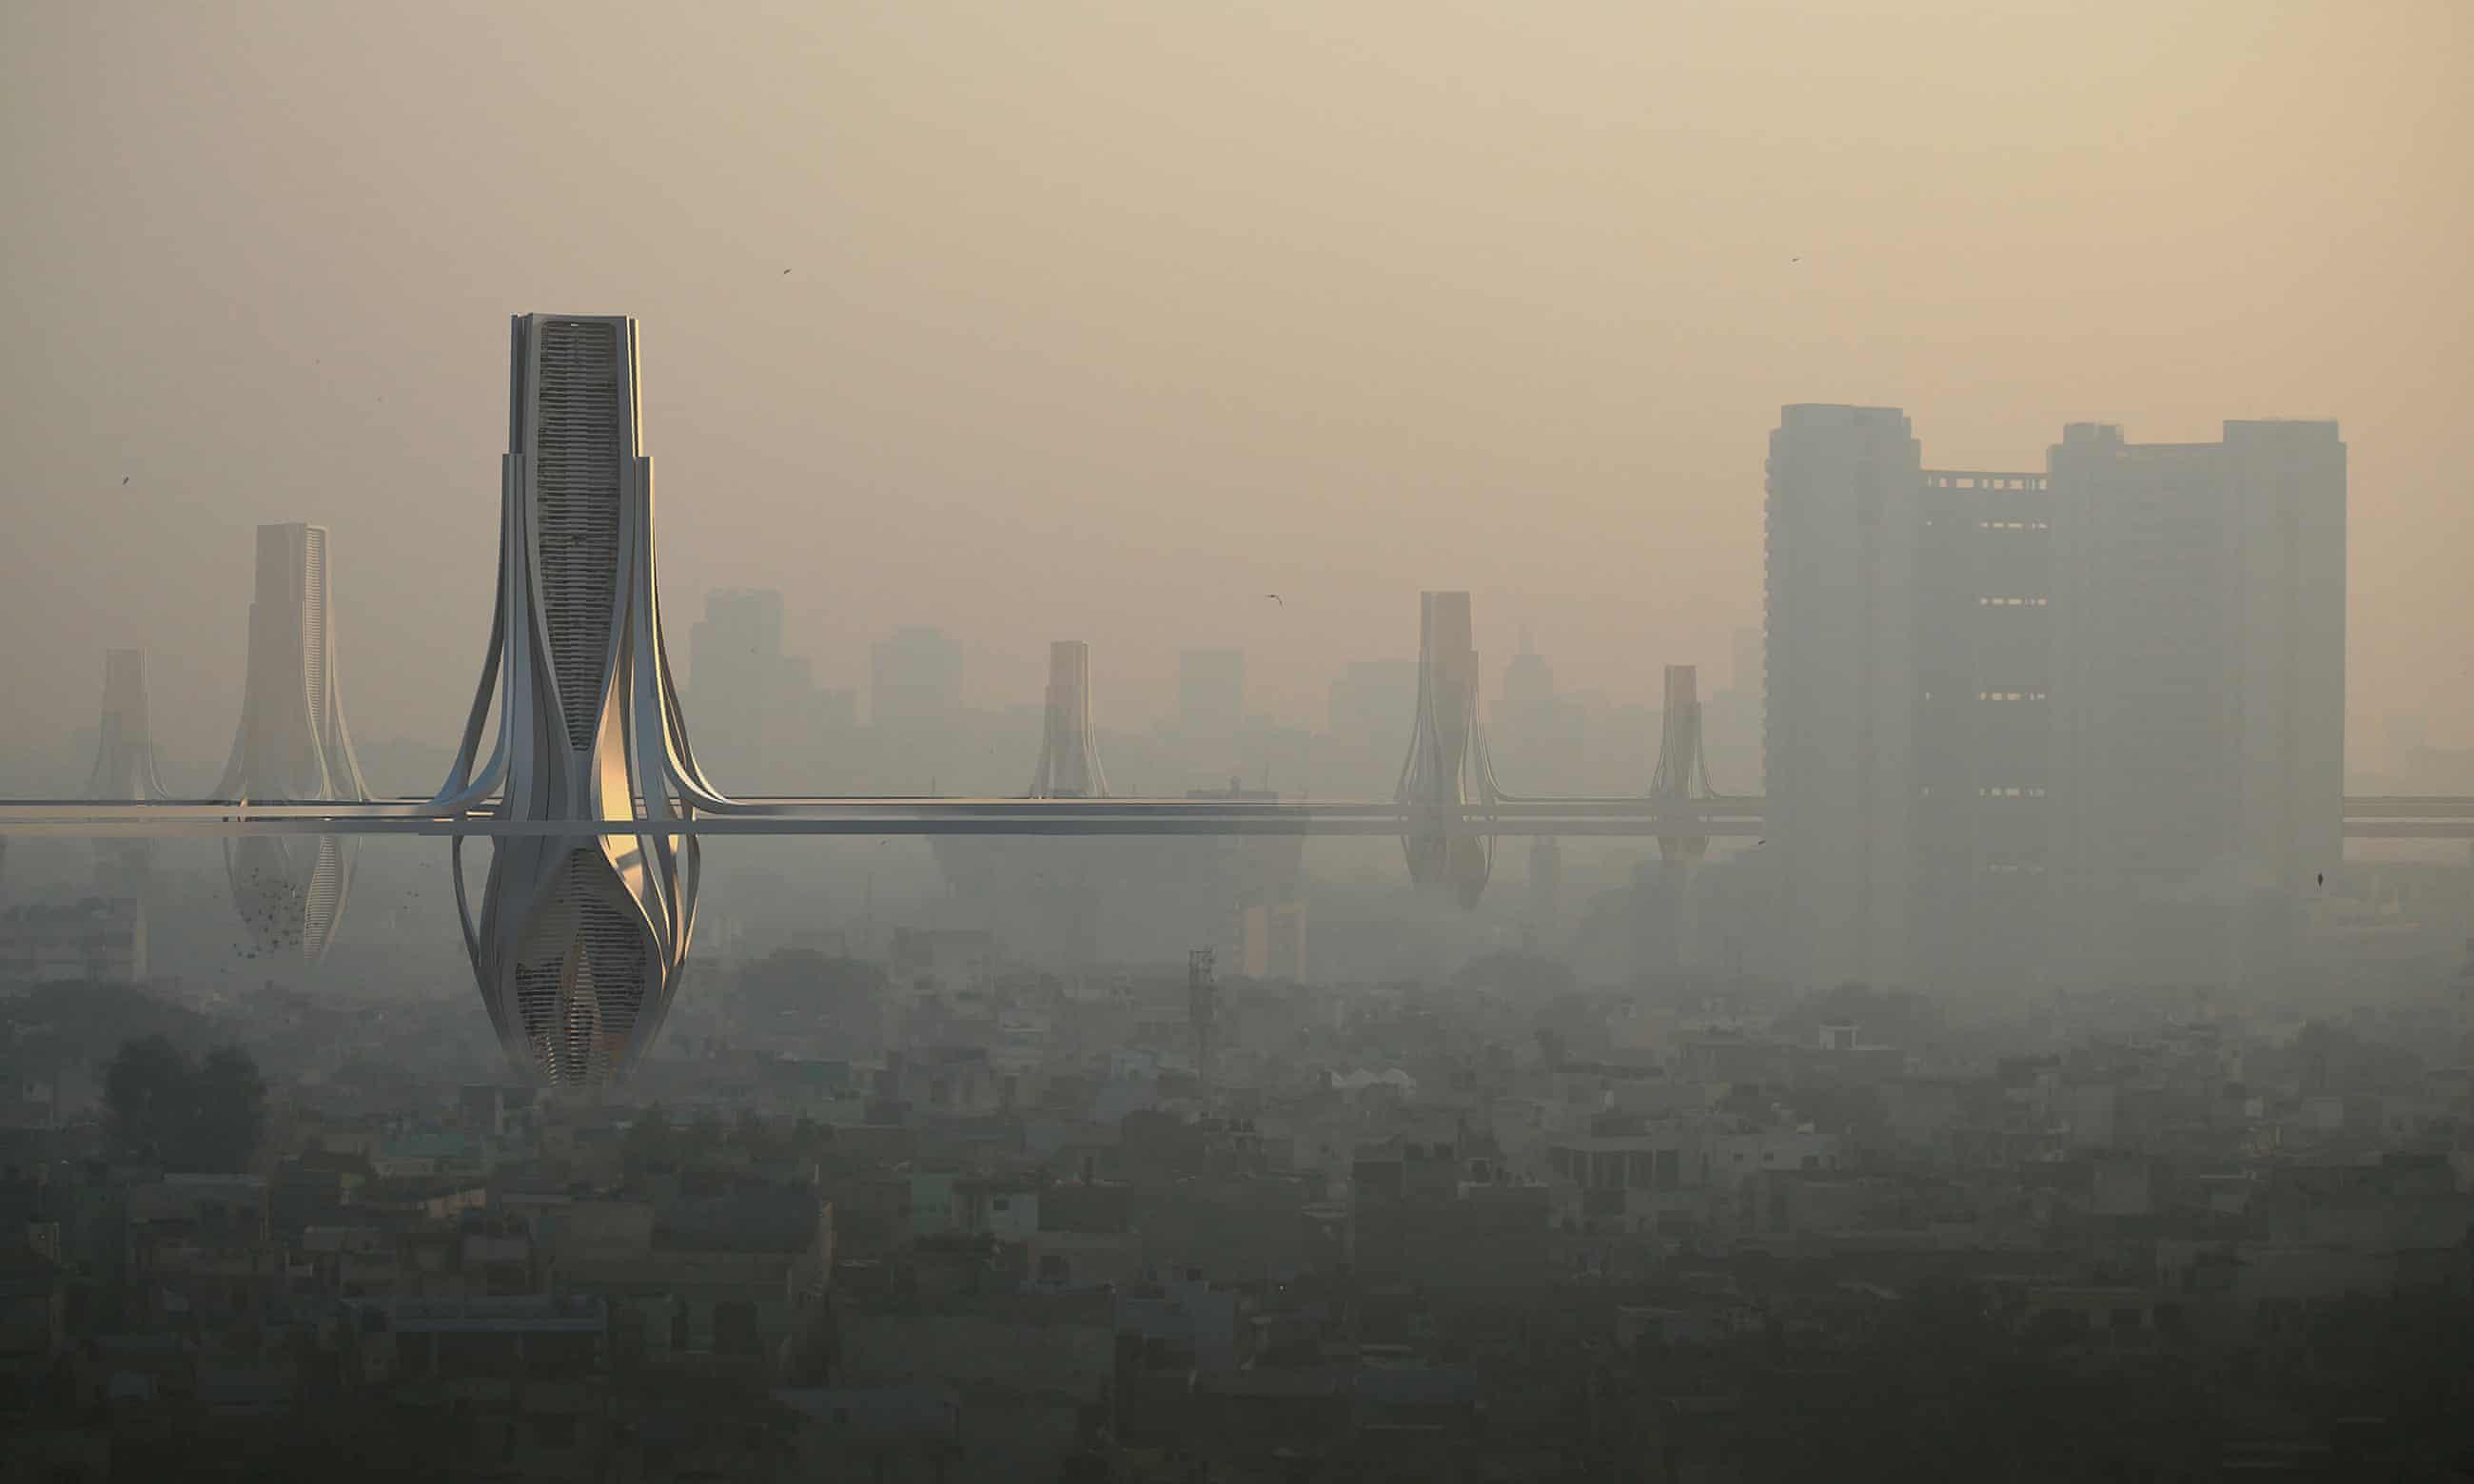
204, 1115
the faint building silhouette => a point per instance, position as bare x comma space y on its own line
762, 724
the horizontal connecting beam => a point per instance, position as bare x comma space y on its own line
877, 817
2377, 817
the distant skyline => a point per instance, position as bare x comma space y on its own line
1103, 319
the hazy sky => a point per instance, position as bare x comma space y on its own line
1107, 316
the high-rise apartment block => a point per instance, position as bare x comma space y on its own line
1845, 487
2082, 725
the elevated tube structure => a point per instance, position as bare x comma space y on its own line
292, 744
583, 927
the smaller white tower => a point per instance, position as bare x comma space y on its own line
123, 767
1069, 761
292, 744
1445, 769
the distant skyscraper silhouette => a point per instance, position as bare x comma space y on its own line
581, 935
734, 672
762, 721
292, 744
2198, 696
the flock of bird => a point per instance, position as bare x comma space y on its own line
270, 907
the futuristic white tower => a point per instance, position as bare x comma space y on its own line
1446, 767
1069, 762
292, 744
125, 768
581, 935
1683, 776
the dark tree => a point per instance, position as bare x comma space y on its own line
194, 1116
228, 1114
147, 1087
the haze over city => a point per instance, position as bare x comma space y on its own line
1103, 320
1357, 743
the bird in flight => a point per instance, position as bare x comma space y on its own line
124, 479
786, 273
1274, 596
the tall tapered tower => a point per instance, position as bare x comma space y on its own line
1069, 761
292, 744
580, 936
1446, 768
123, 767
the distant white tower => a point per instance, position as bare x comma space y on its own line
124, 753
1069, 760
123, 767
1446, 767
292, 744
580, 936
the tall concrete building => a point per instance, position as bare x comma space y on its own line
1982, 698
2082, 725
1839, 746
1732, 720
2199, 695
292, 744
